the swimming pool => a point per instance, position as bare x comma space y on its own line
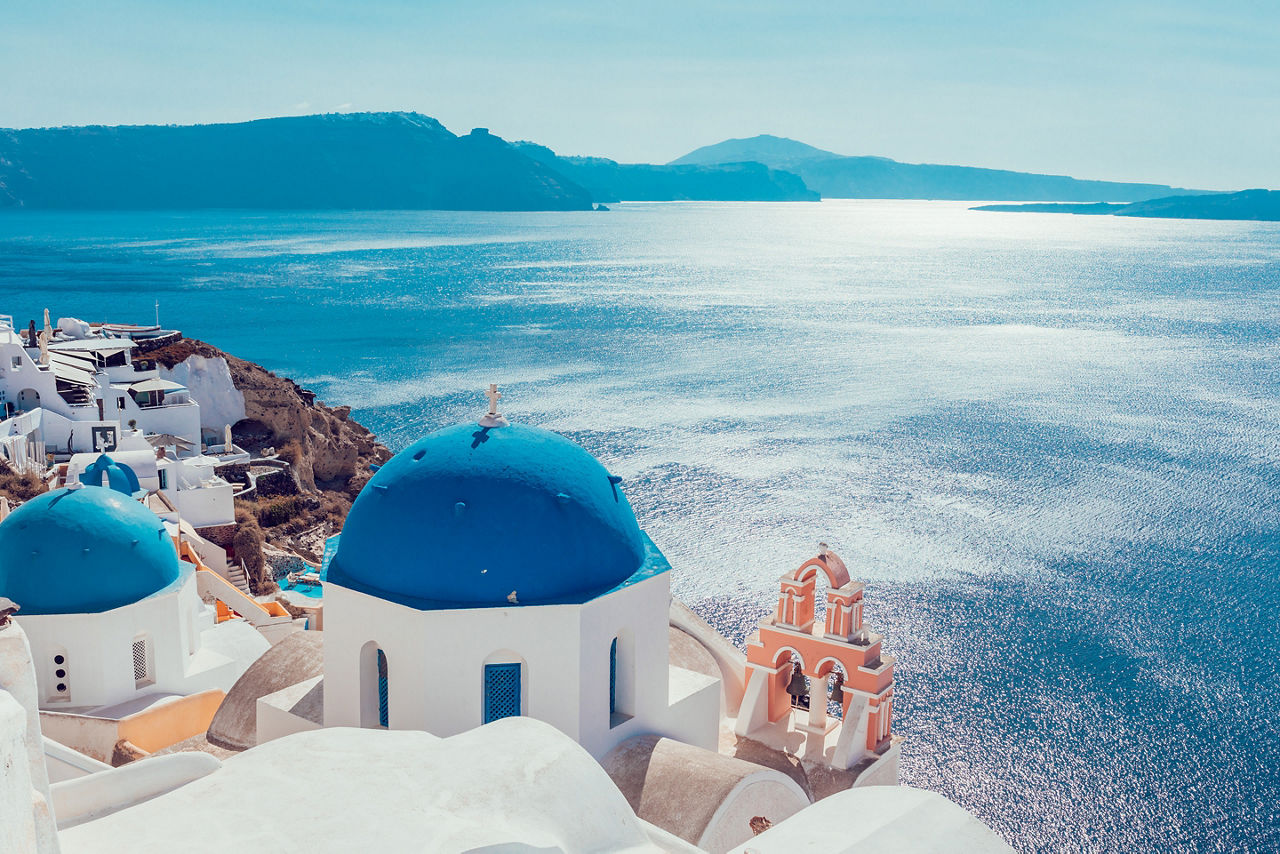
315, 591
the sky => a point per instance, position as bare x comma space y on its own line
1182, 93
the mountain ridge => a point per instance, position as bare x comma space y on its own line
332, 161
844, 176
610, 181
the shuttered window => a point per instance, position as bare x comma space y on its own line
383, 715
141, 673
501, 691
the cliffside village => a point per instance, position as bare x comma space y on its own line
487, 654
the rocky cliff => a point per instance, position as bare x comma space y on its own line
357, 161
329, 453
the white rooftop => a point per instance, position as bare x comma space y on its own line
517, 785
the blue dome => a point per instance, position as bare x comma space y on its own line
119, 476
83, 551
469, 515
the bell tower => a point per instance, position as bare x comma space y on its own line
851, 727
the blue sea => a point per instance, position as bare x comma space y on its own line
1050, 444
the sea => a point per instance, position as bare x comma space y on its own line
1049, 444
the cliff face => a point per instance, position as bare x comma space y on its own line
332, 449
363, 161
329, 454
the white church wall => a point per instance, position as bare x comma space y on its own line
693, 715
637, 615
435, 661
98, 651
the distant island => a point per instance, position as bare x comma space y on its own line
353, 161
343, 161
610, 181
839, 176
1255, 205
405, 160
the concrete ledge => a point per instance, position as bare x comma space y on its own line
97, 795
879, 820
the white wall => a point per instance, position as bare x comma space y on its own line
27, 375
26, 817
213, 503
98, 649
639, 614
179, 419
436, 659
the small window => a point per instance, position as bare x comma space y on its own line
383, 716
164, 482
141, 663
17, 362
60, 683
621, 683
120, 403
613, 676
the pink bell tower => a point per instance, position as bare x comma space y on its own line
790, 643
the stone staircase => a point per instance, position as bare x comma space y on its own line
238, 577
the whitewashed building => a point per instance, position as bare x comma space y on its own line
111, 612
494, 570
86, 390
191, 483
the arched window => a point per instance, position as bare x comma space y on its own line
622, 701
382, 689
613, 676
375, 687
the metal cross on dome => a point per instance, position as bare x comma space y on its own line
494, 395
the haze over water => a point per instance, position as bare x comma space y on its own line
1048, 443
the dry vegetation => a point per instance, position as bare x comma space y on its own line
19, 487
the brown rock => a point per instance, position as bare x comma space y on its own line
329, 453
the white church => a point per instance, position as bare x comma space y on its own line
500, 669
492, 570
112, 615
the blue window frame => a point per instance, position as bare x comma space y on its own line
613, 676
501, 691
383, 717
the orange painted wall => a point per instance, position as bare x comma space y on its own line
168, 723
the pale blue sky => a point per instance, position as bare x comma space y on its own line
1186, 93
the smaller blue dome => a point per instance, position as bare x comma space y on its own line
119, 476
84, 551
